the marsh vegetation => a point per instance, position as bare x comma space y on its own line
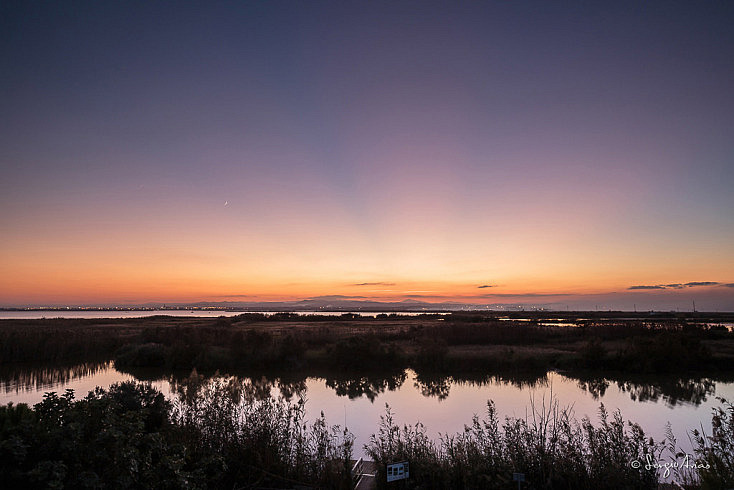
437, 344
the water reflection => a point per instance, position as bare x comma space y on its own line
430, 386
37, 378
443, 403
673, 391
250, 389
439, 387
596, 386
368, 386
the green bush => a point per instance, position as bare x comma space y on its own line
115, 439
130, 436
550, 447
362, 352
141, 355
716, 451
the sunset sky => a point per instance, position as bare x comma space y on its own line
483, 152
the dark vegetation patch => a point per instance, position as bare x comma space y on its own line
130, 436
430, 344
553, 450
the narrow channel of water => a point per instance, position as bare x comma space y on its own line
442, 405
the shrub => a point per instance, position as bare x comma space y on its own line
144, 355
260, 440
550, 447
130, 437
716, 451
362, 352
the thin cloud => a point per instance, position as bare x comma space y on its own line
488, 296
374, 284
729, 285
335, 297
693, 284
486, 286
525, 295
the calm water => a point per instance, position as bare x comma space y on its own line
443, 406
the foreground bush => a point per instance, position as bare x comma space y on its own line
550, 447
119, 438
716, 451
130, 436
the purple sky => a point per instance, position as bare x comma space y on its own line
184, 150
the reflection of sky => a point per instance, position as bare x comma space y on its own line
541, 148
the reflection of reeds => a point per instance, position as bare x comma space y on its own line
250, 389
29, 379
369, 386
674, 391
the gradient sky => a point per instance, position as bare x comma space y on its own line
182, 151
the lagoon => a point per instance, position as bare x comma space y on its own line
442, 405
